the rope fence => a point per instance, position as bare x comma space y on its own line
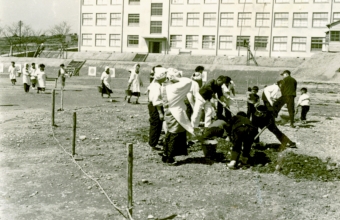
74, 160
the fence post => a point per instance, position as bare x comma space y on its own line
55, 83
74, 133
53, 107
129, 173
62, 97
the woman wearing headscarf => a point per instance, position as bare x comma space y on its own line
134, 83
26, 80
41, 76
173, 94
106, 80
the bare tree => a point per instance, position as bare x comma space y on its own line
60, 30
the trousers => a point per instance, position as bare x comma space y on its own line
289, 100
196, 115
155, 125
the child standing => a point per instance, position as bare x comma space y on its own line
252, 101
13, 71
304, 103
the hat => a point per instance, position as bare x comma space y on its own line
159, 75
286, 71
255, 88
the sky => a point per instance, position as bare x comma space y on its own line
40, 14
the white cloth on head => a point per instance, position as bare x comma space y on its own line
106, 79
41, 78
13, 71
159, 75
176, 94
26, 75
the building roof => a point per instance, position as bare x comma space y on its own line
332, 24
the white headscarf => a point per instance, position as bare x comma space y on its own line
160, 75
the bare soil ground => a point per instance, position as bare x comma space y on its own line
38, 180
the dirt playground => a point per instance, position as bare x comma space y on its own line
38, 180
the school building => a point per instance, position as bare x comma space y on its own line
271, 28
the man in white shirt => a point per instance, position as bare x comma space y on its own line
271, 94
228, 89
13, 71
155, 107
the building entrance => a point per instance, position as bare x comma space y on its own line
155, 47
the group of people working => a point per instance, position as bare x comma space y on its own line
169, 92
31, 76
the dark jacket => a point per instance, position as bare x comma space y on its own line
236, 122
209, 89
288, 87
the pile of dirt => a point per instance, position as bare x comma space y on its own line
297, 166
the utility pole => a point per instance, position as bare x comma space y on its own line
20, 23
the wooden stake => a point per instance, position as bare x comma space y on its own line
61, 101
53, 107
129, 173
55, 83
74, 133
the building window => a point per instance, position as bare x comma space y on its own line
134, 2
176, 1
227, 1
316, 43
210, 1
132, 41
191, 42
193, 19
101, 19
176, 19
301, 1
300, 19
226, 42
116, 2
279, 43
133, 20
262, 20
209, 19
263, 1
282, 1
114, 40
242, 41
281, 19
101, 2
244, 19
87, 19
336, 16
156, 9
320, 19
115, 19
87, 39
208, 42
227, 19
87, 2
321, 1
245, 1
100, 40
260, 43
299, 43
194, 1
335, 36
175, 41
156, 27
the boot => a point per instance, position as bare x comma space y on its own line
232, 165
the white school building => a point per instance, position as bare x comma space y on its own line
272, 28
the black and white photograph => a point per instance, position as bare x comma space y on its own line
169, 109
